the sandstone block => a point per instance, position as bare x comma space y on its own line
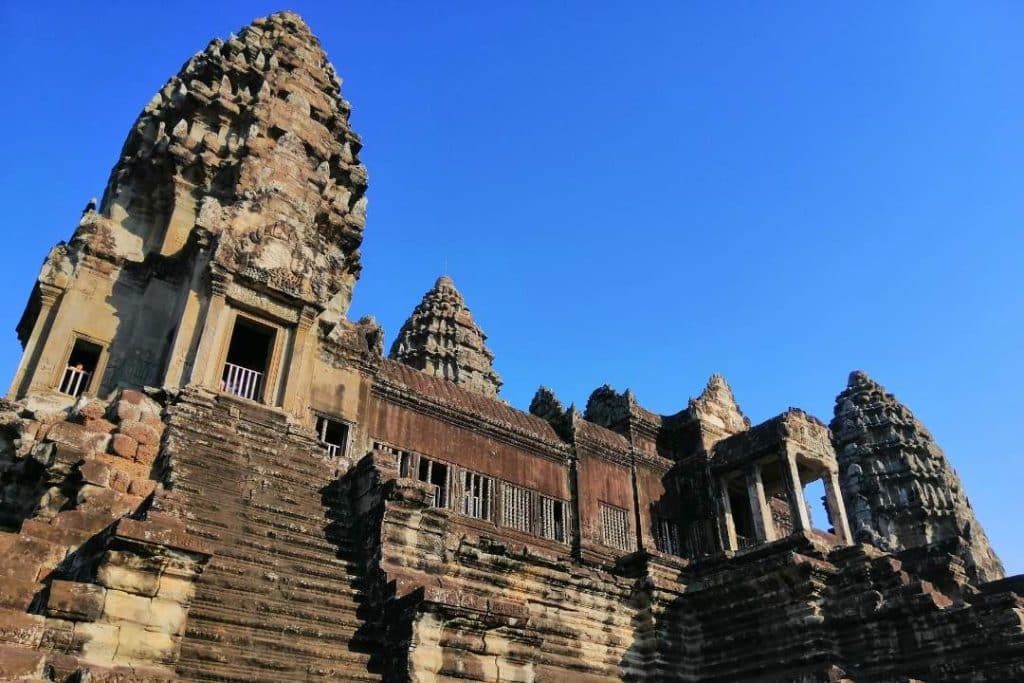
138, 645
7, 539
29, 429
95, 472
167, 616
119, 481
75, 601
125, 411
130, 573
100, 426
45, 531
154, 421
124, 445
141, 487
141, 432
162, 530
121, 606
78, 437
58, 634
146, 453
97, 642
19, 628
179, 589
17, 663
28, 554
90, 408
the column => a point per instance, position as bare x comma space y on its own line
795, 489
727, 521
763, 526
48, 295
186, 336
207, 368
298, 368
836, 509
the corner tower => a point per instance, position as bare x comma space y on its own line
237, 206
442, 339
901, 493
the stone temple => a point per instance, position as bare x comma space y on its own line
209, 473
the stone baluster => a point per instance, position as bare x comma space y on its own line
795, 489
728, 524
762, 516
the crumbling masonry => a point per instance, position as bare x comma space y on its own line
207, 472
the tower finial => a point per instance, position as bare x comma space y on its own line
441, 339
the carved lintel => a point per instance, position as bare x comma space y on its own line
264, 303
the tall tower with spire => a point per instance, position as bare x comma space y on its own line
901, 493
239, 188
442, 339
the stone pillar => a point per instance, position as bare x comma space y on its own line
25, 376
836, 509
179, 359
761, 514
297, 372
795, 489
207, 369
727, 521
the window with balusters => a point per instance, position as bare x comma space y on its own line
553, 519
476, 495
615, 527
333, 434
666, 536
479, 496
435, 473
516, 506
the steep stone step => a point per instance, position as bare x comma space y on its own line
276, 658
280, 599
270, 616
211, 670
334, 596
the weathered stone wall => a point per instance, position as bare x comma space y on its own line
94, 578
469, 607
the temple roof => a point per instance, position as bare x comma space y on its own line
442, 339
250, 142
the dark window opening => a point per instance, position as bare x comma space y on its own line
245, 371
435, 473
742, 518
82, 364
666, 536
333, 435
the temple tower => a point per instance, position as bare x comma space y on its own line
442, 339
900, 491
231, 222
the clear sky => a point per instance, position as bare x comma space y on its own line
638, 194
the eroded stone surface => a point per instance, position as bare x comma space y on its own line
441, 338
900, 489
332, 514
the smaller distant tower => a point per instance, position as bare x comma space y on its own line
901, 493
441, 339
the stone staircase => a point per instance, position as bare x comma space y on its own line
280, 599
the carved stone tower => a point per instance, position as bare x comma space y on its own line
231, 222
900, 491
441, 338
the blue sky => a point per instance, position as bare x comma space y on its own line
632, 193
